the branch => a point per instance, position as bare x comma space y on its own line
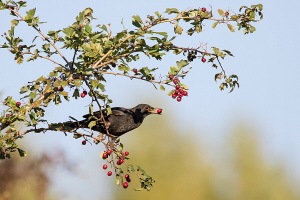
47, 58
132, 77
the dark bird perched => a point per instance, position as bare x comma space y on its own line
119, 121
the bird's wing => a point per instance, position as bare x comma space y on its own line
117, 112
114, 111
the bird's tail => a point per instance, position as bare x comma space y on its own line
66, 126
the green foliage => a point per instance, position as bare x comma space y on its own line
97, 52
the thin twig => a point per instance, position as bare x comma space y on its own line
47, 58
45, 37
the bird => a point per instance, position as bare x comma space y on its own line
118, 122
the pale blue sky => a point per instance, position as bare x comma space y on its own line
266, 62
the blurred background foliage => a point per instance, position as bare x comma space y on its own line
182, 168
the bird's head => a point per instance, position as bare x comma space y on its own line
145, 109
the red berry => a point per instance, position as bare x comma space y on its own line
177, 87
184, 93
176, 80
171, 77
20, 46
203, 59
125, 184
83, 142
109, 173
158, 112
126, 152
84, 92
174, 96
203, 9
126, 176
113, 64
119, 162
104, 166
18, 104
135, 70
104, 155
128, 180
109, 151
179, 99
7, 115
82, 95
180, 91
61, 89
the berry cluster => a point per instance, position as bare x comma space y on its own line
120, 161
191, 55
179, 91
127, 177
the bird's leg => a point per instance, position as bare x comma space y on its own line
111, 141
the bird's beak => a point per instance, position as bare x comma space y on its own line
155, 111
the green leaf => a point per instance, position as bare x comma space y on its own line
215, 50
181, 64
14, 22
252, 29
91, 109
228, 52
230, 27
137, 22
108, 110
214, 24
30, 14
234, 76
92, 124
24, 89
21, 152
88, 28
221, 12
165, 34
171, 10
130, 168
162, 88
119, 180
174, 70
68, 31
103, 27
88, 11
177, 29
76, 93
76, 136
171, 92
218, 76
137, 17
234, 17
157, 14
